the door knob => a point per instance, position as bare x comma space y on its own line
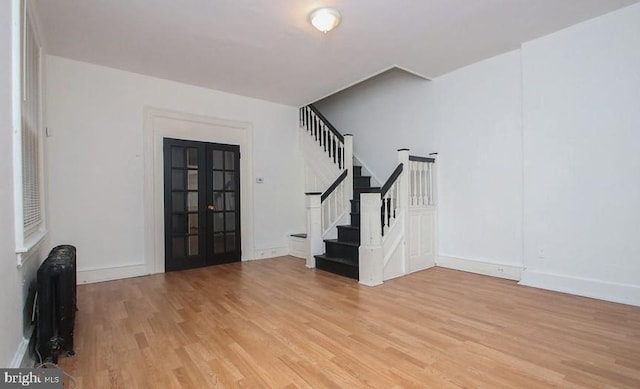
211, 208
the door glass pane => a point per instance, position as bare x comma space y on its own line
178, 247
231, 242
218, 200
217, 159
229, 181
192, 158
218, 243
192, 179
193, 245
177, 200
177, 157
217, 181
230, 202
177, 179
218, 222
179, 224
229, 160
193, 223
192, 201
231, 221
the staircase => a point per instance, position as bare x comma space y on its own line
390, 230
341, 255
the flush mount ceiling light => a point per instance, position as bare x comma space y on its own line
325, 19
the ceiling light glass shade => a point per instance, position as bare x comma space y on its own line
325, 19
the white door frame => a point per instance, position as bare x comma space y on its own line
161, 123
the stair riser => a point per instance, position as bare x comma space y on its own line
348, 234
362, 181
355, 219
355, 206
357, 171
337, 250
342, 269
357, 191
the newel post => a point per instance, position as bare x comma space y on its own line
404, 201
371, 256
314, 227
404, 188
348, 164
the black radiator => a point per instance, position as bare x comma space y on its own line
56, 304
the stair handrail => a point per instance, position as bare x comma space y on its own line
421, 159
333, 203
325, 135
389, 198
326, 122
391, 180
333, 186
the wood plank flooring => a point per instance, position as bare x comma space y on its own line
275, 324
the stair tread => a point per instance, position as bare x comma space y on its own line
342, 242
349, 226
344, 261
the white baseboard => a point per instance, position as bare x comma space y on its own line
20, 357
111, 273
88, 276
609, 291
499, 270
269, 253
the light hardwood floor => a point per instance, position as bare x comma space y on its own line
274, 323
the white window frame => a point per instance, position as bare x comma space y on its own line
26, 239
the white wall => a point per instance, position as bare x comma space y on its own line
582, 158
478, 135
96, 163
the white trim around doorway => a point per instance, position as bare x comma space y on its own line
160, 123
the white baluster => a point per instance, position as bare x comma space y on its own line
423, 184
427, 184
430, 183
412, 177
396, 189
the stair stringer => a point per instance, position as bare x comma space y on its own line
393, 245
331, 232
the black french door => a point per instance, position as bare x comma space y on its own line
201, 204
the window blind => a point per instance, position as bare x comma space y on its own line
32, 213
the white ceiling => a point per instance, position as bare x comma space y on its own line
267, 48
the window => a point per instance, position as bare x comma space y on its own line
30, 228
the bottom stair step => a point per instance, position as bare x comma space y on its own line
340, 266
